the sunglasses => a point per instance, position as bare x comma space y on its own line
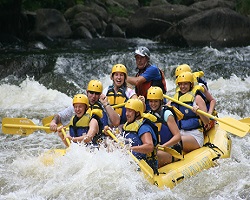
96, 93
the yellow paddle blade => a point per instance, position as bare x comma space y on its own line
245, 120
46, 121
234, 126
171, 151
20, 126
49, 157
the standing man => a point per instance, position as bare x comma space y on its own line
147, 76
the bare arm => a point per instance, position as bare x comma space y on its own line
54, 122
147, 145
63, 117
112, 115
93, 130
135, 80
202, 106
211, 100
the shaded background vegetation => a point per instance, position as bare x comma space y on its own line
14, 22
243, 6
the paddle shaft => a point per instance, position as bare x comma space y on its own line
64, 134
21, 126
150, 174
173, 152
26, 126
203, 113
119, 105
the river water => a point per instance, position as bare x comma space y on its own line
39, 79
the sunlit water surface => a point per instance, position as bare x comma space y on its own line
42, 82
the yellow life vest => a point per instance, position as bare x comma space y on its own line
189, 96
117, 98
133, 127
95, 109
82, 122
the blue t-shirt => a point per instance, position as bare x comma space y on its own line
147, 128
152, 73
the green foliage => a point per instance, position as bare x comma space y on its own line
243, 6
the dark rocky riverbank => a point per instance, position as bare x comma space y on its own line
211, 22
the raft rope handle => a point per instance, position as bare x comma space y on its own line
213, 147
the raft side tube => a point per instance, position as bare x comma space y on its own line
194, 162
220, 139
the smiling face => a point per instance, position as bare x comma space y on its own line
118, 79
130, 114
141, 61
80, 109
93, 97
154, 104
184, 87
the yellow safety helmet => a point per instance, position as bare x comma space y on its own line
81, 98
95, 86
155, 92
185, 77
198, 74
182, 68
119, 68
136, 105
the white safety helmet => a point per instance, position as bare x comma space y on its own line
142, 51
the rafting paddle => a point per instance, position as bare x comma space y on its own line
228, 124
171, 151
245, 120
21, 126
146, 169
49, 157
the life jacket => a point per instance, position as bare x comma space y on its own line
130, 131
80, 126
190, 120
143, 88
200, 80
164, 132
104, 118
118, 98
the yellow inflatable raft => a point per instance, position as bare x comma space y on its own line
217, 144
